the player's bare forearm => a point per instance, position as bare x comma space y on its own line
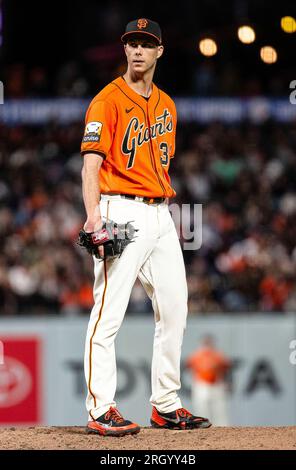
91, 190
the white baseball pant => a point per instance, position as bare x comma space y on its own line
156, 259
211, 400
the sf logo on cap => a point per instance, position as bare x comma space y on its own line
142, 23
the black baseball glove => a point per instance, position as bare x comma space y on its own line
114, 237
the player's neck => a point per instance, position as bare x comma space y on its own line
141, 84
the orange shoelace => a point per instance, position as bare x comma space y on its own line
183, 413
114, 415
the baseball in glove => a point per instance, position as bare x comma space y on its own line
114, 237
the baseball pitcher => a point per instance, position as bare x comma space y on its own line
127, 147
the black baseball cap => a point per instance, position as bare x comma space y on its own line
142, 26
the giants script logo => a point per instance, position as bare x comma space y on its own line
136, 134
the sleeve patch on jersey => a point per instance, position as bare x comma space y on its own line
92, 132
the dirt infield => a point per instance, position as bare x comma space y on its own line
71, 438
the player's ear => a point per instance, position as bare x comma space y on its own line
160, 51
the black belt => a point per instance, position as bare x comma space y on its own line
147, 200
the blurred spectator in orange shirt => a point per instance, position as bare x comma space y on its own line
275, 290
209, 390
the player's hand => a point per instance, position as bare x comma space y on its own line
93, 226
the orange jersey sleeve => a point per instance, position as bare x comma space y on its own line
100, 122
137, 138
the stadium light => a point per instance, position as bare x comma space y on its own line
246, 34
208, 47
268, 54
288, 24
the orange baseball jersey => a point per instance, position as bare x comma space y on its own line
136, 137
208, 365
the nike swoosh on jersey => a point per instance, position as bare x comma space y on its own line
128, 110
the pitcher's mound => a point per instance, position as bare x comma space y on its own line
214, 438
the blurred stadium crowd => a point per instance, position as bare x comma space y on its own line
85, 78
244, 176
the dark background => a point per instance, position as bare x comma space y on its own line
42, 38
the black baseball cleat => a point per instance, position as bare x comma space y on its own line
178, 419
112, 423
